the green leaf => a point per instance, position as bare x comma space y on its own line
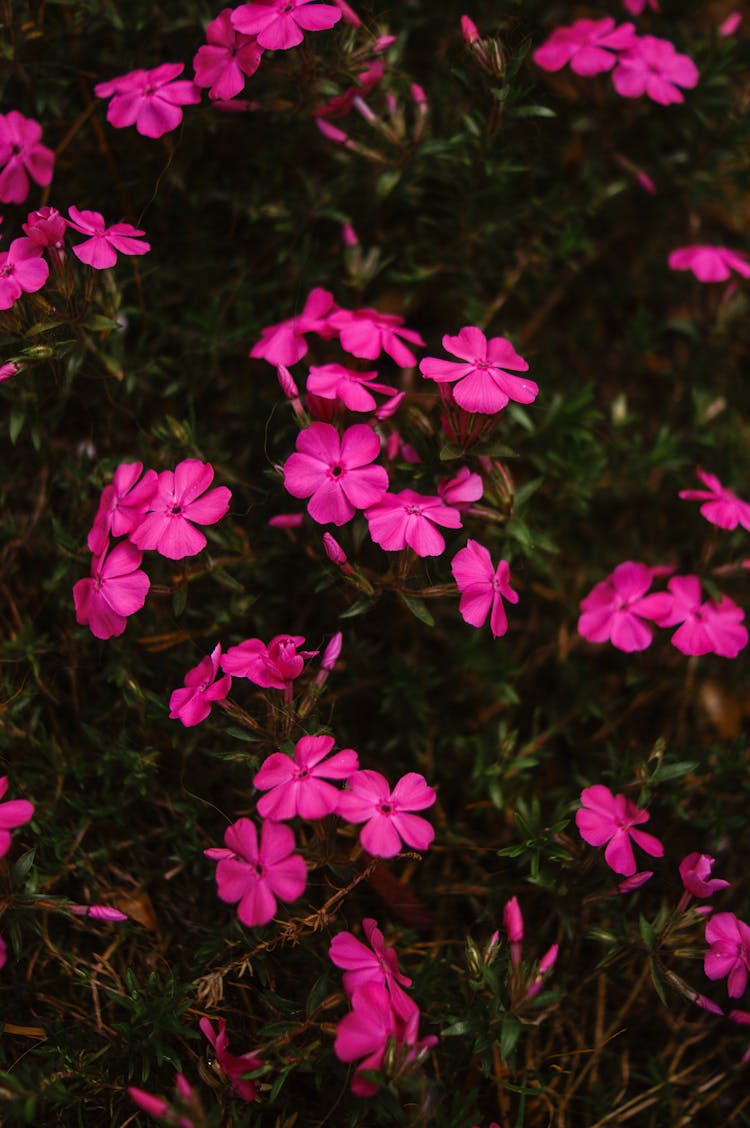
509, 1035
647, 933
417, 608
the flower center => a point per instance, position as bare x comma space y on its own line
259, 870
336, 471
386, 808
413, 509
15, 150
7, 270
175, 510
302, 773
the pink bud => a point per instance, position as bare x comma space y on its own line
98, 912
383, 43
418, 96
469, 30
288, 386
9, 369
513, 921
730, 25
390, 406
349, 235
332, 132
645, 181
334, 551
286, 520
332, 652
184, 1088
549, 959
348, 15
154, 1106
635, 882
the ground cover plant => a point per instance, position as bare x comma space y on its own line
374, 562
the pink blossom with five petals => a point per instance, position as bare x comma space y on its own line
482, 587
22, 155
116, 589
99, 251
122, 505
149, 99
614, 609
335, 472
695, 871
22, 271
202, 688
483, 384
590, 46
181, 499
729, 952
285, 343
334, 381
654, 67
226, 59
297, 786
281, 24
707, 627
709, 263
274, 666
722, 507
374, 964
612, 819
409, 518
462, 490
13, 813
387, 814
231, 1065
256, 875
365, 333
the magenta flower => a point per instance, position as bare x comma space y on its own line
607, 818
695, 871
483, 384
181, 499
149, 99
377, 964
116, 589
99, 251
22, 155
335, 472
192, 704
589, 46
722, 507
653, 67
256, 875
729, 952
482, 587
709, 263
333, 381
368, 1029
226, 59
462, 490
46, 227
122, 506
231, 1065
366, 333
22, 270
386, 814
615, 608
297, 786
707, 627
285, 343
409, 518
281, 24
273, 667
13, 813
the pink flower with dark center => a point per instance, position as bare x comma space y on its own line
226, 59
122, 505
231, 1065
285, 344
377, 964
482, 587
483, 384
722, 507
256, 875
695, 871
335, 472
614, 609
203, 686
22, 155
654, 67
149, 99
729, 952
99, 251
462, 490
709, 263
117, 588
281, 24
607, 818
366, 333
409, 518
22, 270
707, 627
274, 666
387, 814
590, 46
181, 499
46, 227
296, 786
13, 813
333, 381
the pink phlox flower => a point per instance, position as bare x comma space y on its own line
231, 1065
149, 99
122, 505
203, 687
409, 518
365, 333
99, 251
296, 786
654, 67
285, 343
116, 589
386, 814
635, 7
707, 627
226, 59
722, 507
729, 952
22, 270
334, 471
615, 608
46, 227
281, 24
695, 871
483, 587
589, 46
179, 503
367, 1031
341, 104
484, 385
13, 813
334, 381
274, 666
377, 964
611, 819
255, 875
22, 155
461, 490
709, 263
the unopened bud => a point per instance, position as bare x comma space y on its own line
334, 551
469, 30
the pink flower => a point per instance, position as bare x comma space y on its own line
334, 471
297, 786
604, 817
285, 343
376, 964
100, 250
707, 627
226, 59
117, 588
280, 24
46, 227
179, 500
695, 871
635, 7
483, 385
256, 875
192, 704
368, 799
709, 263
588, 45
729, 952
461, 490
22, 270
333, 381
722, 507
615, 608
367, 1030
22, 155
13, 813
482, 587
273, 667
231, 1065
122, 505
409, 518
149, 99
652, 66
366, 333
